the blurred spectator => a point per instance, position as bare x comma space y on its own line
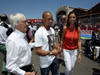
5, 31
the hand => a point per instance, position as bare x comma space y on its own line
79, 58
94, 57
54, 52
57, 46
32, 40
30, 73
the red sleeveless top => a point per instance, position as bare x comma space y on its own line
71, 39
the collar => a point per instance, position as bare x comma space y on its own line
47, 32
1, 22
21, 34
46, 29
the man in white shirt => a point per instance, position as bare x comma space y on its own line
3, 38
18, 60
44, 42
4, 27
3, 35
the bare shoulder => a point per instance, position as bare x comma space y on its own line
65, 27
79, 28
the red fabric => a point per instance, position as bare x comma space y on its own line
71, 39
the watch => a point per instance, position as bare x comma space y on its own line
80, 52
50, 53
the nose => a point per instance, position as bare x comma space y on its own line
27, 24
51, 21
72, 18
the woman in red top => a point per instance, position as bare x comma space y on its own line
71, 42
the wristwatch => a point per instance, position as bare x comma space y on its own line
80, 51
50, 53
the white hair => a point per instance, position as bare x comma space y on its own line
14, 19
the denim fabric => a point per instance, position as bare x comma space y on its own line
54, 68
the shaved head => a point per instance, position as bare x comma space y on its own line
46, 13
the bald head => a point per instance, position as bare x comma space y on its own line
46, 13
47, 19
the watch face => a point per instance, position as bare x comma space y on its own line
50, 53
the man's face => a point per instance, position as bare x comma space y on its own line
23, 26
48, 20
63, 19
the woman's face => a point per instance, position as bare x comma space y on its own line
72, 18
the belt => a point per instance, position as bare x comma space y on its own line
27, 68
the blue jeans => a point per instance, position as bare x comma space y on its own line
54, 68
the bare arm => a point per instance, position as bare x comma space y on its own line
62, 38
41, 52
79, 41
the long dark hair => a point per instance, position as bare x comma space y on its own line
76, 23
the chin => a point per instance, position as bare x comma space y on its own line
48, 28
24, 31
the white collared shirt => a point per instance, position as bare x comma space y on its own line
18, 53
41, 40
3, 35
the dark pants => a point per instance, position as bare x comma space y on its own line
54, 68
3, 51
28, 68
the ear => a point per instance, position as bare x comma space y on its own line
43, 20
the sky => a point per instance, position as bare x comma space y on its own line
35, 8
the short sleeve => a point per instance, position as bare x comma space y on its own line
38, 40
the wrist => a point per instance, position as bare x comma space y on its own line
50, 53
80, 52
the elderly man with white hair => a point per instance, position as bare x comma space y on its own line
18, 50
